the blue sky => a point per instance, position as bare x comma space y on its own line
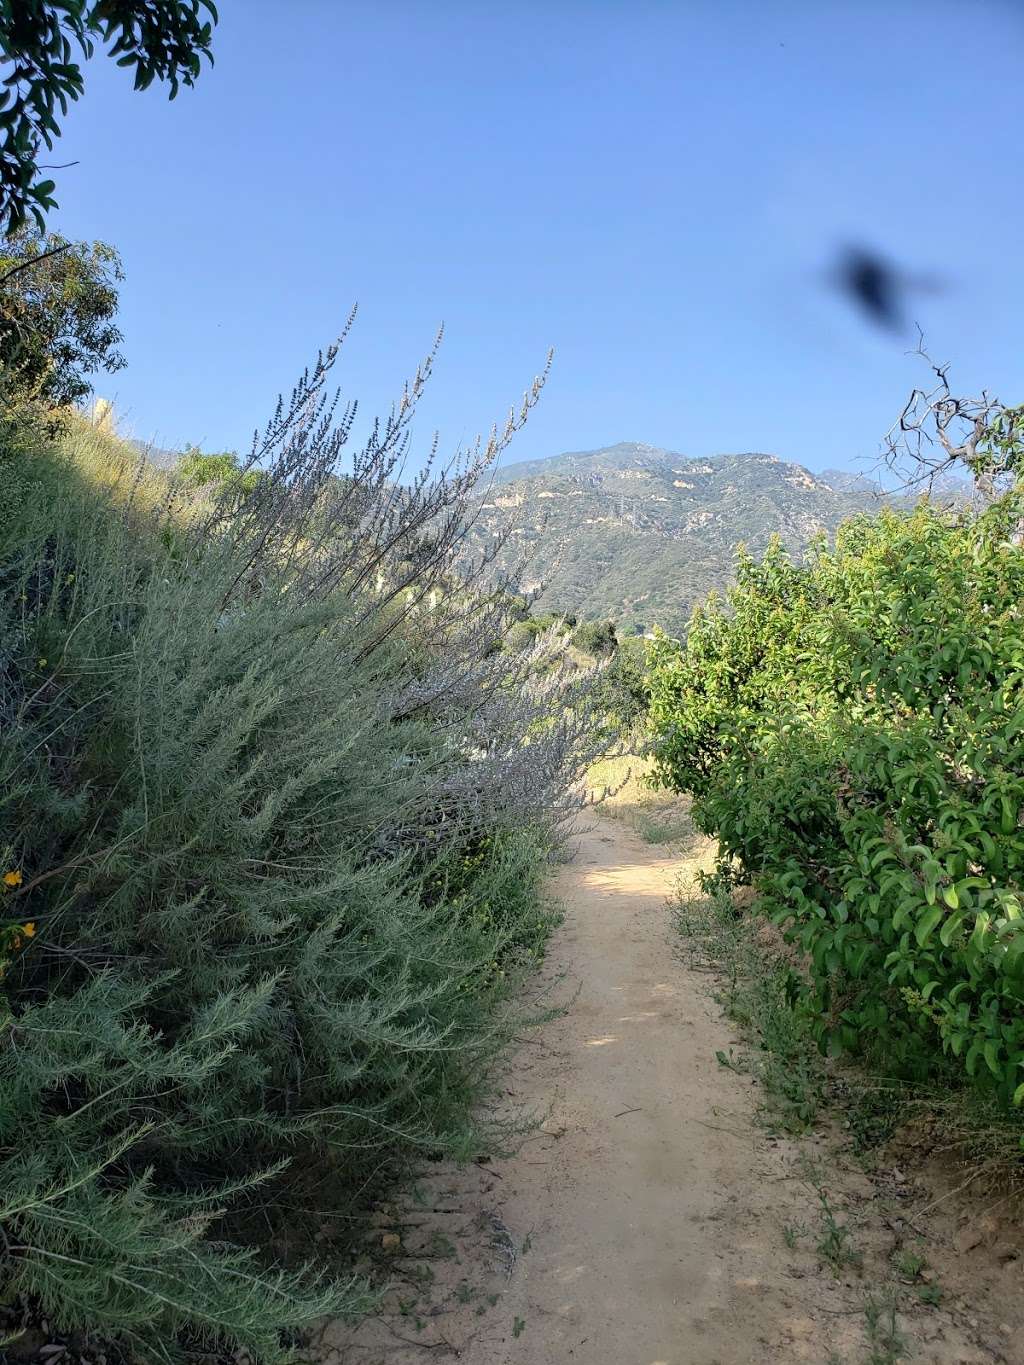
653, 189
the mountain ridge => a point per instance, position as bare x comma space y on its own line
639, 533
620, 454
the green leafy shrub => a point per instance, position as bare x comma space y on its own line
853, 732
526, 629
58, 302
269, 806
622, 688
596, 638
198, 469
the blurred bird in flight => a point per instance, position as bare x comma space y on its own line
877, 287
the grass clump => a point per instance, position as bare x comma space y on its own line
623, 787
755, 988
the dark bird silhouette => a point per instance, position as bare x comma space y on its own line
874, 285
879, 288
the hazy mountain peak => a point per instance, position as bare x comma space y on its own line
622, 456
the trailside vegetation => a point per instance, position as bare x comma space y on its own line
58, 303
276, 807
852, 730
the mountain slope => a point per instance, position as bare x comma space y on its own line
640, 534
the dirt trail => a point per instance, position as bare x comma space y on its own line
627, 1260
643, 1224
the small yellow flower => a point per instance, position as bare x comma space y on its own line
42, 663
12, 878
29, 930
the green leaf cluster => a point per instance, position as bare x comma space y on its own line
852, 728
42, 43
58, 303
199, 469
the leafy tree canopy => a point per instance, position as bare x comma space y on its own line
58, 300
162, 40
199, 469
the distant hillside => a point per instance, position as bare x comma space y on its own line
640, 534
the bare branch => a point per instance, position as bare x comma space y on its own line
24, 265
937, 436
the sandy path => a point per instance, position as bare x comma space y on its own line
643, 1224
621, 1268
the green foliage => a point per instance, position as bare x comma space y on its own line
198, 470
834, 1244
58, 300
269, 969
622, 688
596, 638
851, 728
887, 1343
999, 456
160, 40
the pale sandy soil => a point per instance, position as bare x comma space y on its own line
645, 1222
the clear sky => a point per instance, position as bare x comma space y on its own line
653, 189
